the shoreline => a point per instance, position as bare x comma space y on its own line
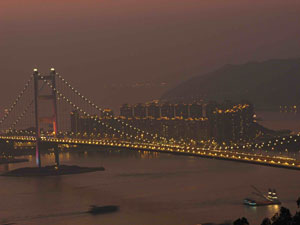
50, 171
12, 160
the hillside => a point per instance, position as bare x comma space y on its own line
267, 84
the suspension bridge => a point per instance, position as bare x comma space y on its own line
39, 114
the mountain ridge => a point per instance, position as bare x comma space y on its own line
268, 84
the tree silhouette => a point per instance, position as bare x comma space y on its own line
298, 202
266, 221
296, 219
241, 221
284, 218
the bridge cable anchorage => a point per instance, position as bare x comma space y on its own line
87, 114
16, 101
138, 130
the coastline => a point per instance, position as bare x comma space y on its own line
50, 171
12, 160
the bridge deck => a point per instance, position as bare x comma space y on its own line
232, 155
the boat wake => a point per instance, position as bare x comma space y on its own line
11, 221
94, 210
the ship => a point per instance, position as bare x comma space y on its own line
102, 209
270, 199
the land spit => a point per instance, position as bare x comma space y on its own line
50, 171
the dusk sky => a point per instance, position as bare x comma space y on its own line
95, 44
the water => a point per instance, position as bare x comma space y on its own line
150, 188
280, 121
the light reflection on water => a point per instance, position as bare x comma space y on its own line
150, 188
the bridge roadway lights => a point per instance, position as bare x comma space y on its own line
236, 156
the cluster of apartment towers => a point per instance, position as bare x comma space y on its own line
156, 110
196, 121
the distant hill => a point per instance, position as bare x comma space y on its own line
267, 84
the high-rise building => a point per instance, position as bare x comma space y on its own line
75, 121
182, 110
232, 124
209, 109
140, 111
126, 111
196, 110
167, 110
223, 122
153, 110
84, 126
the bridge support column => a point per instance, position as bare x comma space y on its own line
37, 129
48, 120
55, 127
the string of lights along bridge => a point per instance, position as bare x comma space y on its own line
39, 115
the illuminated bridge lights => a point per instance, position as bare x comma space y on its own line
235, 155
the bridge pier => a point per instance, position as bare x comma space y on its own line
37, 154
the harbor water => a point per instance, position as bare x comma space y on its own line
150, 188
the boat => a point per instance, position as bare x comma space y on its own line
102, 209
270, 199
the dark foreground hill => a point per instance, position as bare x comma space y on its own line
267, 84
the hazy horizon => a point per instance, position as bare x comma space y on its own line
101, 45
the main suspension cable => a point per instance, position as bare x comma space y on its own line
138, 130
16, 101
87, 114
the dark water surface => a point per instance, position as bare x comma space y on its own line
150, 188
280, 121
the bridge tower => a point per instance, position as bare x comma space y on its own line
50, 120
